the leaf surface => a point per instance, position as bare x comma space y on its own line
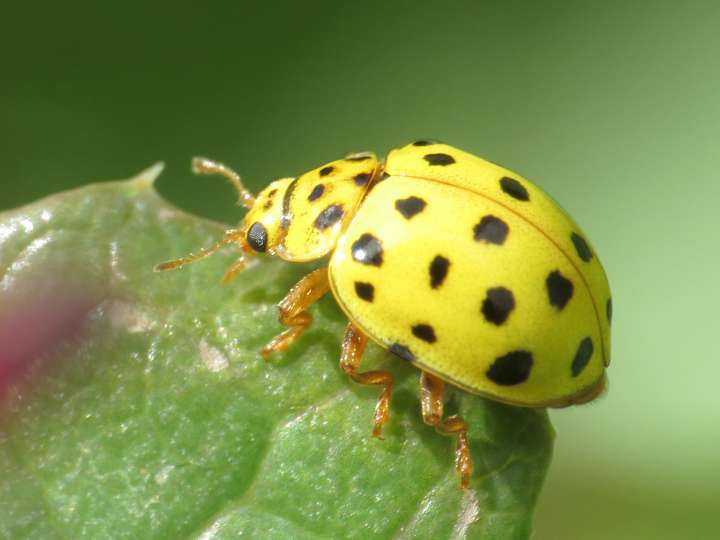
135, 404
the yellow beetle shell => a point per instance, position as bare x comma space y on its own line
318, 206
471, 272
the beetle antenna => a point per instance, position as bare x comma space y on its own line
202, 165
231, 236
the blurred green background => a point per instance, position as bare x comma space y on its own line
612, 107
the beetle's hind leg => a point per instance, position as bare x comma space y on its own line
352, 350
293, 309
432, 389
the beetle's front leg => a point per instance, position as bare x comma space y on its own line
293, 309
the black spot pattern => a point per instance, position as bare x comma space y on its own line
498, 304
383, 176
438, 271
329, 217
287, 198
511, 369
366, 291
361, 179
491, 229
357, 158
581, 246
326, 170
559, 288
582, 356
367, 250
514, 188
410, 206
316, 192
439, 159
402, 351
257, 237
422, 143
424, 332
608, 310
270, 199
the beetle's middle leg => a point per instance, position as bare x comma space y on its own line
432, 389
293, 308
353, 347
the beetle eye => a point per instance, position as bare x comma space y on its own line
257, 237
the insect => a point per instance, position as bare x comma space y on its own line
452, 263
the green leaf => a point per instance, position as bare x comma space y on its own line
145, 411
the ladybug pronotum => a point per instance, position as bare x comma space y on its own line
450, 262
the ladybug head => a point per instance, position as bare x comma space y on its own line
263, 224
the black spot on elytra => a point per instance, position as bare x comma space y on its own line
357, 158
326, 170
257, 237
438, 271
559, 289
514, 188
581, 246
329, 217
423, 143
272, 193
410, 206
510, 369
491, 229
424, 332
367, 250
498, 304
402, 351
439, 159
361, 179
366, 291
383, 176
316, 192
582, 356
608, 310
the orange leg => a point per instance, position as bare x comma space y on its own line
352, 350
293, 309
235, 268
431, 397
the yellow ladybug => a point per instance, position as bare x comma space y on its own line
453, 263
